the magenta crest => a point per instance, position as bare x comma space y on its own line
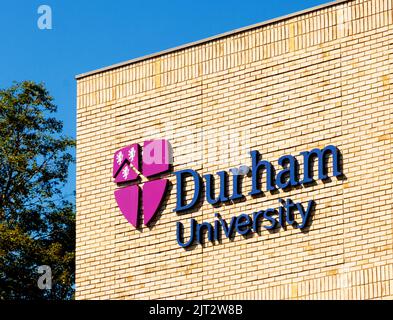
137, 167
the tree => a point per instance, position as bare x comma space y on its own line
37, 224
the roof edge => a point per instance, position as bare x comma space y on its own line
205, 40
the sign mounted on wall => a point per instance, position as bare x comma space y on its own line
132, 168
130, 165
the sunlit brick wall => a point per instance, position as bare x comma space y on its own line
319, 78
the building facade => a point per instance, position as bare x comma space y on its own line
307, 81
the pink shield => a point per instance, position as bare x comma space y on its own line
156, 159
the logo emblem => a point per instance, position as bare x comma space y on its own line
140, 169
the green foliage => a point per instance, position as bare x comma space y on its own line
37, 226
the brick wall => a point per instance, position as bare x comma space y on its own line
319, 78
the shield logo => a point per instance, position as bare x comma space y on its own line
146, 194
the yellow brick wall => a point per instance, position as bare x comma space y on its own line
319, 78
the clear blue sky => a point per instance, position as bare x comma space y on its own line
89, 34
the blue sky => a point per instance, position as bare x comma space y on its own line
88, 35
